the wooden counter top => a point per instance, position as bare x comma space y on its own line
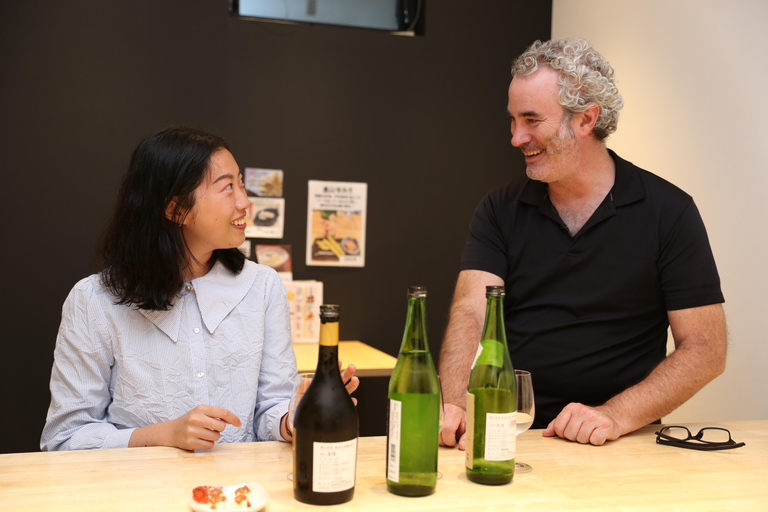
369, 361
631, 474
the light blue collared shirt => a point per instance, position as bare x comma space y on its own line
225, 342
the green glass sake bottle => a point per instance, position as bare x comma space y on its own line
492, 401
414, 408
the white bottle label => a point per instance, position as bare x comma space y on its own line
500, 436
393, 461
333, 466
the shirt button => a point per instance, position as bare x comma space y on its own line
196, 330
201, 374
190, 287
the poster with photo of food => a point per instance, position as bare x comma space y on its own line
264, 182
265, 218
278, 257
336, 214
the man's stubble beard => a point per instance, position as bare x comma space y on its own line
561, 145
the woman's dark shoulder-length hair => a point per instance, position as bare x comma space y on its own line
145, 253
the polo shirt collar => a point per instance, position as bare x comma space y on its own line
217, 293
627, 187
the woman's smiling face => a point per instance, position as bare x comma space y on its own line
217, 221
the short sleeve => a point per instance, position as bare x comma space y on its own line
486, 247
687, 269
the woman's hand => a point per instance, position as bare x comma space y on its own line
198, 429
350, 381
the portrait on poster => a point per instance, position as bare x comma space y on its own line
265, 218
336, 213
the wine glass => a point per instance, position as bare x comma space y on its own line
300, 386
526, 410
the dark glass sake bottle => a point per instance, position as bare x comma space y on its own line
492, 401
414, 408
325, 427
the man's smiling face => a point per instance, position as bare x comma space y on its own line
541, 127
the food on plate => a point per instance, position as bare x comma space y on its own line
350, 245
266, 217
264, 182
271, 256
270, 184
330, 244
231, 497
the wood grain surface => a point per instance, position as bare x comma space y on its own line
630, 474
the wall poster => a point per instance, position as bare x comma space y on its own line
265, 218
304, 299
336, 212
278, 257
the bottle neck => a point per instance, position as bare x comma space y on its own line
415, 336
494, 320
329, 334
328, 353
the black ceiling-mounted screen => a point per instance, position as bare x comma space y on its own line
389, 15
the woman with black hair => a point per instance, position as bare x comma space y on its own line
179, 336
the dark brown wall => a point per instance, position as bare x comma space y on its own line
421, 120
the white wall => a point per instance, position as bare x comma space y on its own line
694, 75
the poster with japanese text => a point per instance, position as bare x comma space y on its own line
336, 212
304, 299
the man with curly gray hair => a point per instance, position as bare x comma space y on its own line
598, 257
584, 77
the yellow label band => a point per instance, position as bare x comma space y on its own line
329, 334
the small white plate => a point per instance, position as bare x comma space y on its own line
258, 499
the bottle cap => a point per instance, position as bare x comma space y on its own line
494, 291
418, 292
329, 313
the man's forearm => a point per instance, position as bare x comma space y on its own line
698, 359
458, 351
462, 336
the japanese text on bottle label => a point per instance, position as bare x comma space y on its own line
333, 466
393, 461
500, 436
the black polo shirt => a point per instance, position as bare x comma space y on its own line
587, 315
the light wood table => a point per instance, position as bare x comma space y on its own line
630, 474
369, 361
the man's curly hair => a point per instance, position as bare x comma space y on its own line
584, 76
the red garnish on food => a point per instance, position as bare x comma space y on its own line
206, 494
240, 495
216, 495
200, 494
242, 498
